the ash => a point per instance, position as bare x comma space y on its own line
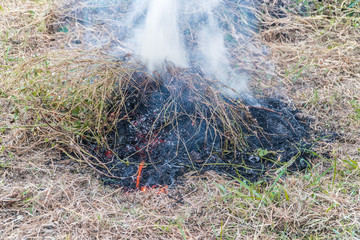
173, 131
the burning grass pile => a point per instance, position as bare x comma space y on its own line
165, 128
140, 131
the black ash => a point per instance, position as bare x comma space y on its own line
170, 130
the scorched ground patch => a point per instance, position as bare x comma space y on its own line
167, 129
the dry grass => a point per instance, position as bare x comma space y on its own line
317, 66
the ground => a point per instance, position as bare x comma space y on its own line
313, 58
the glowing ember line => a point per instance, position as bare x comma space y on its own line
139, 174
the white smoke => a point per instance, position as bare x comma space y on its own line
159, 38
186, 33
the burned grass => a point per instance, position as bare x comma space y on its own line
165, 130
316, 58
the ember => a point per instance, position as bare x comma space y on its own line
168, 129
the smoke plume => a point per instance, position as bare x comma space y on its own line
199, 34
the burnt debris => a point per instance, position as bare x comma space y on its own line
165, 130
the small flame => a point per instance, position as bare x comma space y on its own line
139, 175
164, 190
160, 191
144, 188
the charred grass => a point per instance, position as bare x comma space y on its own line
47, 103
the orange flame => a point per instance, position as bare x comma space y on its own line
163, 190
144, 189
139, 174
